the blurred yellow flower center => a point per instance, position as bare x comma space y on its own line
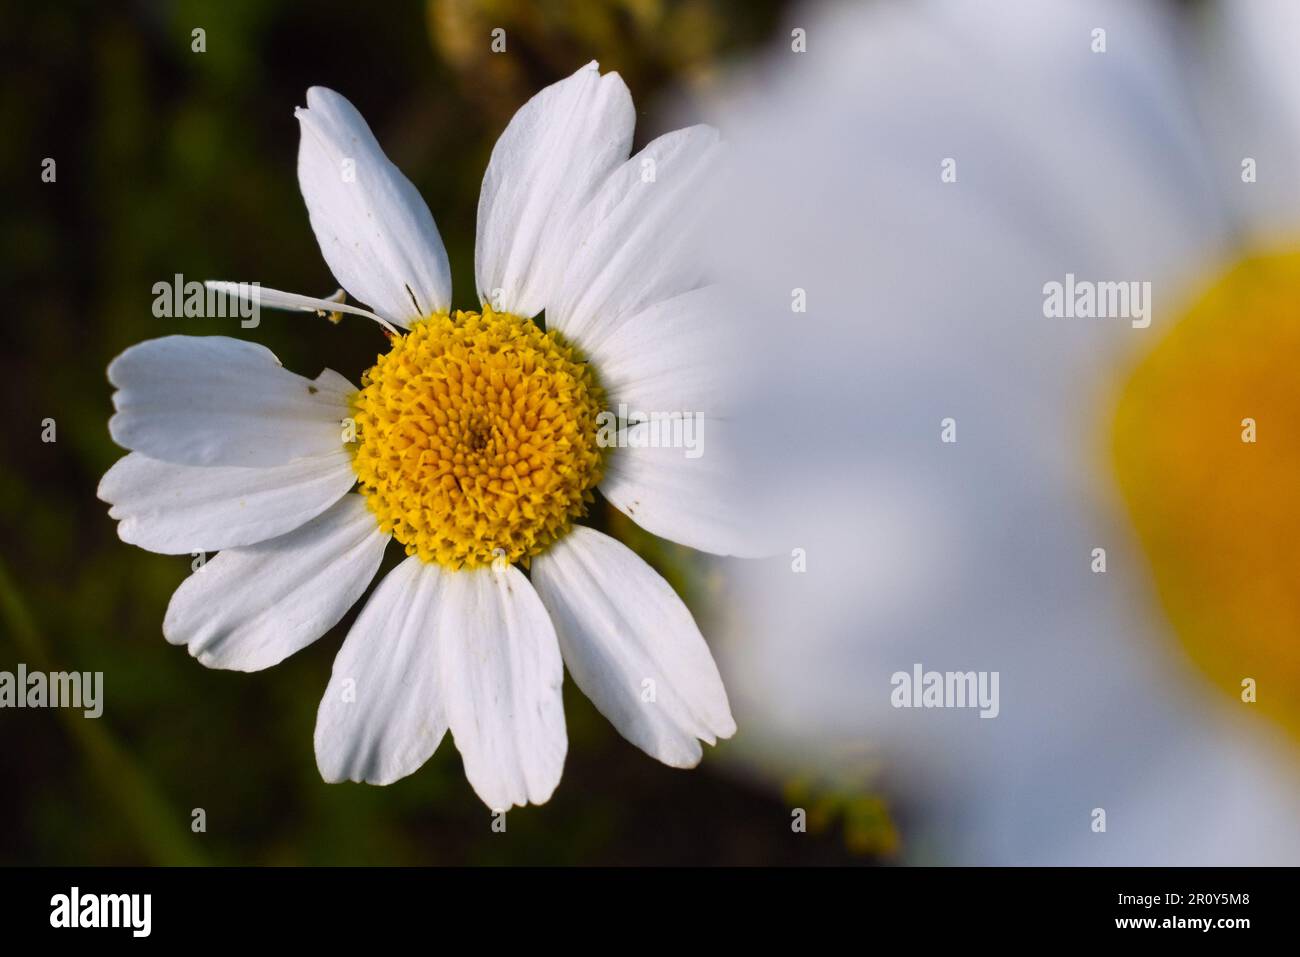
1207, 443
476, 438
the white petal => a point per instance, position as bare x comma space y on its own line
337, 384
620, 625
213, 400
261, 296
1249, 73
501, 682
547, 164
635, 243
179, 509
382, 715
250, 608
374, 229
693, 494
679, 355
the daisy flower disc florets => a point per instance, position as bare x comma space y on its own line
477, 438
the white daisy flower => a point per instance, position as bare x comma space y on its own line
1103, 517
473, 442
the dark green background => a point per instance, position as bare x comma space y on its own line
171, 161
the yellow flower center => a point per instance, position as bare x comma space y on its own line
1207, 443
477, 438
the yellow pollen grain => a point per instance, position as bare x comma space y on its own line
1207, 447
477, 438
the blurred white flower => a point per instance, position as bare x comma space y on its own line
920, 174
